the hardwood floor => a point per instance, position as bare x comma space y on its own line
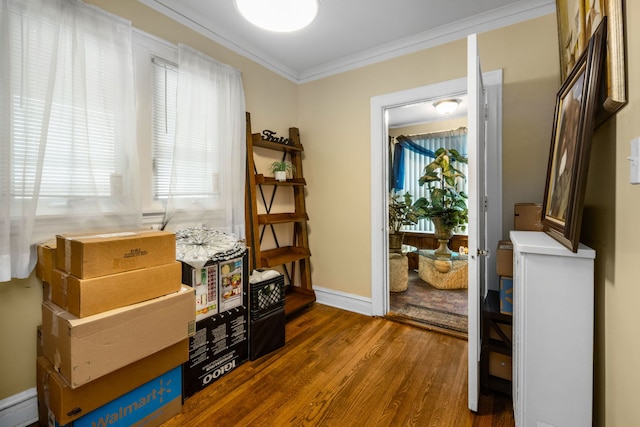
344, 369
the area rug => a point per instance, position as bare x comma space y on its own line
430, 316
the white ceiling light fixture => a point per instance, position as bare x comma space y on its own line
281, 16
446, 106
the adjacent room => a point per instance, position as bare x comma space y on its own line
387, 213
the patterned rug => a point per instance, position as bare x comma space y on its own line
430, 316
424, 304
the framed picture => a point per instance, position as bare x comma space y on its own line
577, 22
574, 121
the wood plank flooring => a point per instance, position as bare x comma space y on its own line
344, 369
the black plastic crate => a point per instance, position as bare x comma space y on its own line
267, 296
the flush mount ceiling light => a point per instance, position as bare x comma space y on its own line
279, 15
446, 106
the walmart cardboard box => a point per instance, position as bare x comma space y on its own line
85, 349
94, 255
150, 405
86, 297
67, 404
506, 295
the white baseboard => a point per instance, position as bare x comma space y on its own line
344, 301
20, 409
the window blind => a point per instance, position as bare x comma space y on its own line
165, 86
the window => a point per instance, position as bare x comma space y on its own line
67, 115
191, 136
414, 163
89, 135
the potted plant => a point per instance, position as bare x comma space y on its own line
280, 169
446, 205
402, 211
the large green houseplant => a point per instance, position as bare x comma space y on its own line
446, 205
402, 211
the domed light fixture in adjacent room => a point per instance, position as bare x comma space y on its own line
279, 15
446, 106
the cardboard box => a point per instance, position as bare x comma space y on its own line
504, 258
527, 217
67, 404
205, 282
505, 328
46, 260
93, 255
500, 366
85, 349
506, 295
86, 297
219, 345
149, 405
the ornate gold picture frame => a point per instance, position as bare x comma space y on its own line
574, 122
577, 21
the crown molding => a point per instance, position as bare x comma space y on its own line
508, 15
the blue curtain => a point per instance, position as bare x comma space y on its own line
423, 145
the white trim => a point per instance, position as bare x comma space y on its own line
342, 300
226, 40
508, 15
20, 409
379, 161
493, 85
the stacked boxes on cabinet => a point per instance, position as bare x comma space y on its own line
527, 217
220, 343
116, 322
504, 269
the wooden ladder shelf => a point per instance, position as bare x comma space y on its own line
286, 257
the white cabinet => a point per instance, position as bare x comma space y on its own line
552, 332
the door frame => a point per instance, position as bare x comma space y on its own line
380, 179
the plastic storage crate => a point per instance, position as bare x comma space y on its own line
267, 296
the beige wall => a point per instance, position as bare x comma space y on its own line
335, 125
611, 227
333, 117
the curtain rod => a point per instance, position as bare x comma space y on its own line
434, 134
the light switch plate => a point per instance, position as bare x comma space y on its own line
634, 161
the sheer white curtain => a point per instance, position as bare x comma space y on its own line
67, 126
208, 173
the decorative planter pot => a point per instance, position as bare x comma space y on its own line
395, 242
443, 235
280, 175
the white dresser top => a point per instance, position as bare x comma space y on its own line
539, 242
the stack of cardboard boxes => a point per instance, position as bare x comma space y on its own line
527, 217
497, 358
116, 322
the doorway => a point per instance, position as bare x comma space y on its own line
380, 110
420, 295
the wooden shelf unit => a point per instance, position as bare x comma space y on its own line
295, 254
495, 340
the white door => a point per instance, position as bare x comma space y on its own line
477, 213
